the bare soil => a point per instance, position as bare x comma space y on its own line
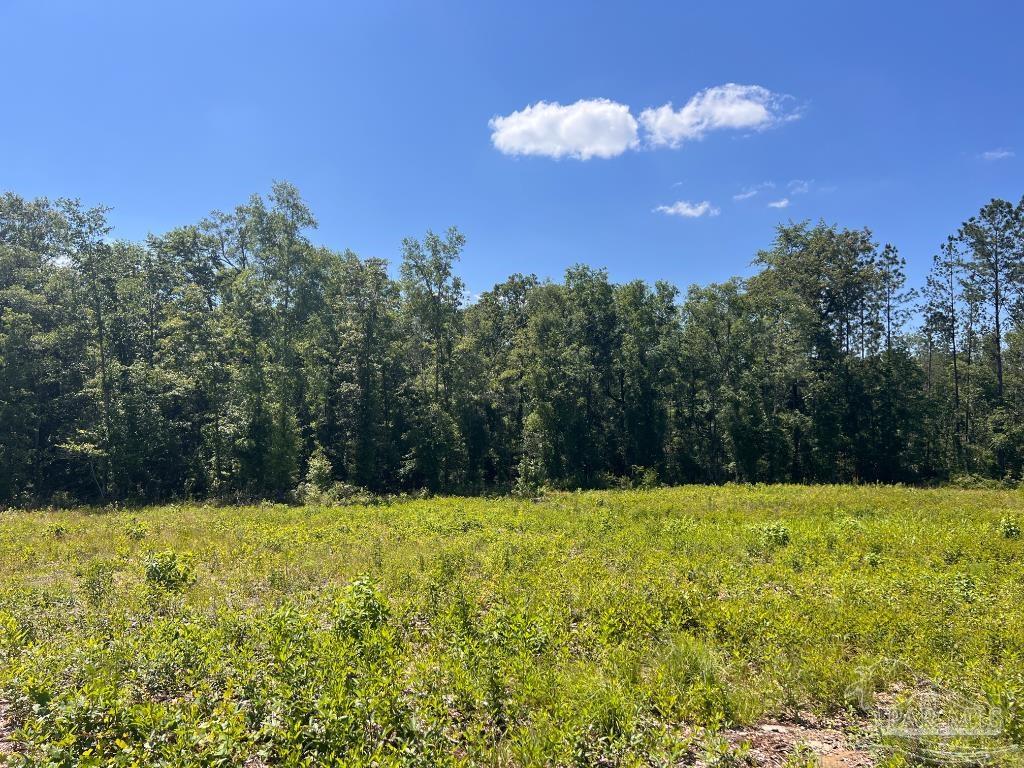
771, 743
7, 745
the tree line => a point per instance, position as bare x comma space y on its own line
234, 358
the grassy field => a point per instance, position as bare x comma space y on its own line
606, 628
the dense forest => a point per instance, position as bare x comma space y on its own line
234, 358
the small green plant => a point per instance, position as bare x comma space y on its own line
135, 529
964, 587
952, 555
169, 571
361, 609
97, 580
774, 535
1012, 704
720, 753
644, 477
277, 580
1009, 527
802, 756
12, 635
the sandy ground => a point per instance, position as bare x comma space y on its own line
771, 743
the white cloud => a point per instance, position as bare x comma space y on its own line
723, 106
588, 128
604, 128
998, 154
688, 210
749, 192
799, 187
783, 203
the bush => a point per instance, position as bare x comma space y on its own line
979, 482
645, 477
361, 609
135, 529
338, 494
319, 472
166, 570
774, 535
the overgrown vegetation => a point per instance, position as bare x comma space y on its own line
236, 359
601, 628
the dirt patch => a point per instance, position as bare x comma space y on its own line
772, 743
7, 745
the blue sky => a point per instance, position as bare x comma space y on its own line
904, 117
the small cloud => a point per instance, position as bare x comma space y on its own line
783, 203
688, 210
589, 128
677, 184
997, 154
799, 187
749, 192
723, 106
